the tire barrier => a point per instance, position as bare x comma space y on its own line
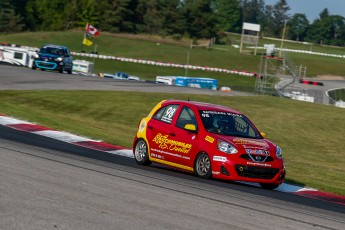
311, 82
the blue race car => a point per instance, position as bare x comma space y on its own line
53, 57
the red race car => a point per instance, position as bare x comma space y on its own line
209, 140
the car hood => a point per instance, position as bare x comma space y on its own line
44, 55
245, 143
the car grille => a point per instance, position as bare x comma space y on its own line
247, 157
256, 172
48, 65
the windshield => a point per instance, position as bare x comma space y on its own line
52, 50
229, 124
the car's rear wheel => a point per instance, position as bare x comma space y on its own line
269, 186
202, 166
141, 153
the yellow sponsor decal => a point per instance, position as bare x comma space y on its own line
252, 142
165, 143
209, 139
173, 164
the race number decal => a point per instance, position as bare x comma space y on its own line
169, 114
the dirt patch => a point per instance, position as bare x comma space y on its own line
329, 77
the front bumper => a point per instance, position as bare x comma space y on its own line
242, 170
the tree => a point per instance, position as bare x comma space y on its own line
9, 20
200, 19
54, 15
116, 15
324, 14
328, 30
280, 16
298, 27
228, 15
252, 11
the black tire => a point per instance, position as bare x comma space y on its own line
33, 67
269, 186
141, 153
61, 70
202, 166
69, 71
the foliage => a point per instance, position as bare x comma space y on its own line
9, 20
228, 15
188, 18
298, 27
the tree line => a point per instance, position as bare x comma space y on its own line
177, 18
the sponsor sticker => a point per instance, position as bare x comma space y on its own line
165, 143
258, 152
249, 142
209, 139
219, 158
258, 164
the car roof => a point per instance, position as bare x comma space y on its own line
204, 106
55, 46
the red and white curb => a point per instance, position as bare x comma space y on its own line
64, 136
121, 151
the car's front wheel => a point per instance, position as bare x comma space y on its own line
141, 153
269, 186
202, 166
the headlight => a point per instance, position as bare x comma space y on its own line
226, 147
279, 152
59, 59
35, 55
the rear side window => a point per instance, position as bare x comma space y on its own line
166, 114
187, 116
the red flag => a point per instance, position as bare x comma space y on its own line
90, 30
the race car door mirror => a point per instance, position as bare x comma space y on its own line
190, 127
263, 134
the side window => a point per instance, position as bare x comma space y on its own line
166, 114
186, 116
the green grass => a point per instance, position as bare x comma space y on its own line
168, 50
311, 135
338, 94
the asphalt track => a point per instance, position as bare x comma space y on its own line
21, 78
49, 184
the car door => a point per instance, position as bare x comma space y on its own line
158, 133
186, 144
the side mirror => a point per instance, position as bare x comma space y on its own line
263, 134
190, 127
